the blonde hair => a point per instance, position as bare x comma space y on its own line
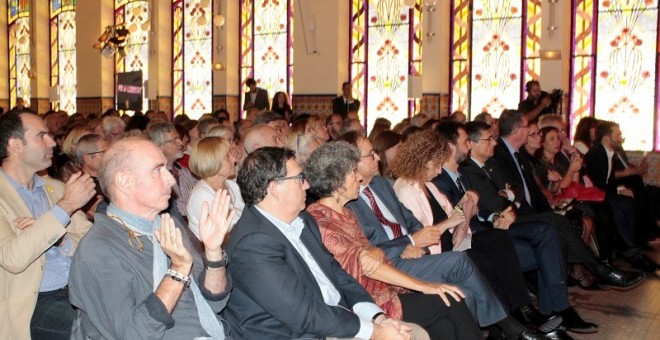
72, 138
208, 156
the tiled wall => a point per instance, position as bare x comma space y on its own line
314, 104
96, 105
436, 105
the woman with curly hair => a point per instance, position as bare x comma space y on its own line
438, 308
418, 161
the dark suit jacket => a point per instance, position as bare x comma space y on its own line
371, 226
261, 101
505, 171
596, 162
339, 106
490, 202
448, 187
275, 294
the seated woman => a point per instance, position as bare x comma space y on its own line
212, 161
398, 294
419, 160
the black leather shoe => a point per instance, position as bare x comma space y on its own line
572, 322
530, 335
619, 279
558, 334
531, 316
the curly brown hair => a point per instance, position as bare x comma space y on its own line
415, 153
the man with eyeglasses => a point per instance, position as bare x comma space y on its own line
277, 245
89, 154
511, 169
334, 123
166, 137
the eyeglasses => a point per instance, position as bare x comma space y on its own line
95, 152
534, 134
170, 140
371, 154
300, 176
489, 139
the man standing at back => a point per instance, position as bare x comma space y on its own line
345, 103
40, 227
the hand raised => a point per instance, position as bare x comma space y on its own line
215, 220
78, 190
171, 242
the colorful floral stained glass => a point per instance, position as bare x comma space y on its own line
192, 57
134, 15
614, 76
267, 45
19, 51
63, 53
495, 50
386, 47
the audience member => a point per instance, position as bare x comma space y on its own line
89, 154
334, 123
345, 103
436, 307
419, 119
585, 134
212, 162
274, 120
281, 106
274, 244
164, 135
458, 116
39, 231
316, 126
303, 146
112, 127
137, 274
386, 145
255, 97
261, 136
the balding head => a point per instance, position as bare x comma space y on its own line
261, 136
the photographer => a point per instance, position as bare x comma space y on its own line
539, 102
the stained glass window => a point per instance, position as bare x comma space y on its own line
386, 47
614, 68
19, 51
63, 53
267, 45
134, 15
495, 50
192, 57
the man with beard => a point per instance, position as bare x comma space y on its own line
537, 103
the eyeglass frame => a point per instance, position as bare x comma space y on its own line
371, 154
300, 176
95, 152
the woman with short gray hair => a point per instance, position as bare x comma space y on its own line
331, 172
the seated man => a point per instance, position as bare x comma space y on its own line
89, 153
40, 227
512, 170
389, 225
624, 187
276, 246
136, 275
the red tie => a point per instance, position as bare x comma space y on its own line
395, 227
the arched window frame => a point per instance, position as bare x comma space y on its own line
63, 53
361, 75
270, 23
467, 82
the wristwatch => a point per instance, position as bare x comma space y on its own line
216, 264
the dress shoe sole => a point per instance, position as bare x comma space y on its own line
590, 330
551, 324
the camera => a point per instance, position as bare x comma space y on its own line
555, 97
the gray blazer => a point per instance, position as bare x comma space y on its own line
374, 230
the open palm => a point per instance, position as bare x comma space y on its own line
215, 220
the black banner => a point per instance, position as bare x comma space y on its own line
129, 91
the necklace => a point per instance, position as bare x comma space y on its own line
133, 237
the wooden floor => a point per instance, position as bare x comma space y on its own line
629, 315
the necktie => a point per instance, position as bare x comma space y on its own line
395, 227
461, 189
485, 171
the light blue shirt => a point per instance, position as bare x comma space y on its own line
512, 151
364, 310
58, 261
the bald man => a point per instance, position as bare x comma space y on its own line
261, 136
